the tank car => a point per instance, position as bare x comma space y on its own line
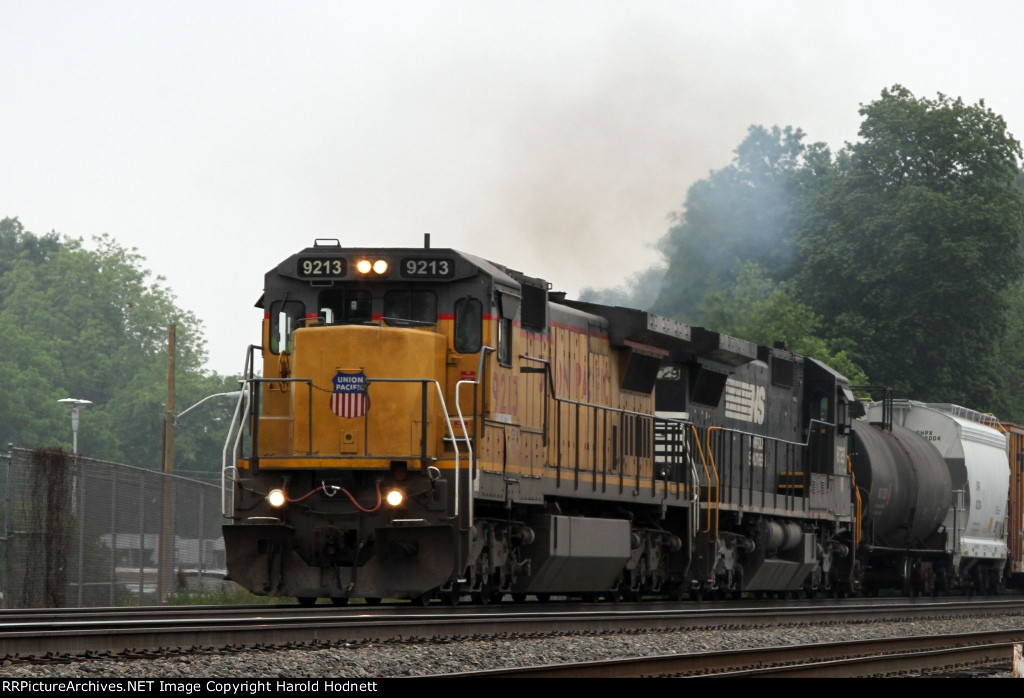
425, 423
944, 523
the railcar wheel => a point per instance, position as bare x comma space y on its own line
372, 601
451, 598
487, 595
543, 598
422, 600
306, 600
339, 600
519, 598
906, 581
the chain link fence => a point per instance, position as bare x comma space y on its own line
79, 532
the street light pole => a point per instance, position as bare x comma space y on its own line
75, 407
230, 393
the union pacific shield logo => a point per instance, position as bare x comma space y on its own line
349, 398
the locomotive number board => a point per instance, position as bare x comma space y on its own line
321, 267
427, 268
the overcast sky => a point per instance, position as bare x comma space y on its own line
219, 137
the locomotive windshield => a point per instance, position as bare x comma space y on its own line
344, 306
415, 306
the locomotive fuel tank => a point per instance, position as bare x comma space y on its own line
903, 482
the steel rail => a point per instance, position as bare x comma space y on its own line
855, 659
84, 632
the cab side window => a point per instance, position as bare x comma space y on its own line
285, 316
505, 341
469, 314
508, 308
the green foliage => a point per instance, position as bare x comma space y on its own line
1008, 357
899, 255
764, 311
912, 241
731, 255
741, 213
92, 323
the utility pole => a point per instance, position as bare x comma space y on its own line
165, 571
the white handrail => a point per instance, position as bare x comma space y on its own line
229, 469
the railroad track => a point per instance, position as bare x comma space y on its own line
903, 656
90, 633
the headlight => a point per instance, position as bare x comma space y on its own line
395, 498
377, 266
276, 498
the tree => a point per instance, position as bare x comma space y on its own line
910, 244
731, 255
767, 312
741, 213
92, 323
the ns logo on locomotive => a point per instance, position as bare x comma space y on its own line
430, 424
